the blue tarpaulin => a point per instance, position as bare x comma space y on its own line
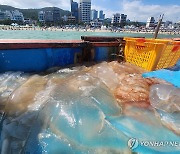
171, 75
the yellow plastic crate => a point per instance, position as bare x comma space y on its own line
170, 55
152, 54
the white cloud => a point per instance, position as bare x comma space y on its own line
136, 10
64, 4
107, 12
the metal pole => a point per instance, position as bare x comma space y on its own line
158, 26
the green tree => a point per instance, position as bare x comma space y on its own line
6, 22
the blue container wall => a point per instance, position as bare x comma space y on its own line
26, 60
101, 53
36, 60
64, 56
104, 53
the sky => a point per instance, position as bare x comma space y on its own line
137, 10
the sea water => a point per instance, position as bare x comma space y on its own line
69, 35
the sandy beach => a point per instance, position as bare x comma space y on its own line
6, 27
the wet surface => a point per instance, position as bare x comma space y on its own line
93, 109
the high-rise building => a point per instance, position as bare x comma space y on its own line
65, 18
119, 18
150, 22
94, 14
115, 18
123, 18
48, 16
96, 23
41, 16
101, 15
104, 16
8, 15
17, 16
74, 9
71, 19
167, 23
56, 15
84, 11
2, 15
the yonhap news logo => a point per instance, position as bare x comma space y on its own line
133, 143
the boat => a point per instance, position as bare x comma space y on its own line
110, 106
40, 55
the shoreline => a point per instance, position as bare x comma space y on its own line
24, 28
